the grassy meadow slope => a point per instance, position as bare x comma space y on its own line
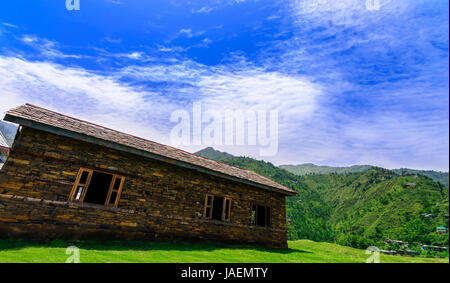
302, 251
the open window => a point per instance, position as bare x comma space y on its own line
261, 216
97, 187
217, 208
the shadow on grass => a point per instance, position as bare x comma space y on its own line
17, 244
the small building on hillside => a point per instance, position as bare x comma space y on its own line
70, 179
442, 230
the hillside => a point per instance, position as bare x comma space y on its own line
441, 177
370, 206
359, 209
303, 251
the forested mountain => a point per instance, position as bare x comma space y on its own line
370, 206
358, 209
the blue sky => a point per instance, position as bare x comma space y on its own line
352, 85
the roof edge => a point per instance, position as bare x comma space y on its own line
113, 145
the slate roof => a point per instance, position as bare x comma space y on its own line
41, 116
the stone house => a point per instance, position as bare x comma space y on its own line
70, 179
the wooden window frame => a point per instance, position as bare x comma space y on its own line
211, 208
208, 205
118, 191
224, 209
85, 186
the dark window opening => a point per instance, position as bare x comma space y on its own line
98, 189
117, 184
261, 216
84, 177
217, 208
226, 211
112, 200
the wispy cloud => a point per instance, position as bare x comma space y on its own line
189, 33
10, 25
47, 48
204, 9
117, 2
109, 100
75, 91
112, 40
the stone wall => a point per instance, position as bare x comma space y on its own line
159, 200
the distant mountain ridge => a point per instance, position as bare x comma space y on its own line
309, 168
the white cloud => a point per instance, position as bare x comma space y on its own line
10, 25
246, 88
108, 101
47, 48
132, 55
187, 32
204, 9
235, 87
207, 41
115, 2
83, 94
256, 89
29, 39
128, 56
112, 40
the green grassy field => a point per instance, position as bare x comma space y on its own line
303, 251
